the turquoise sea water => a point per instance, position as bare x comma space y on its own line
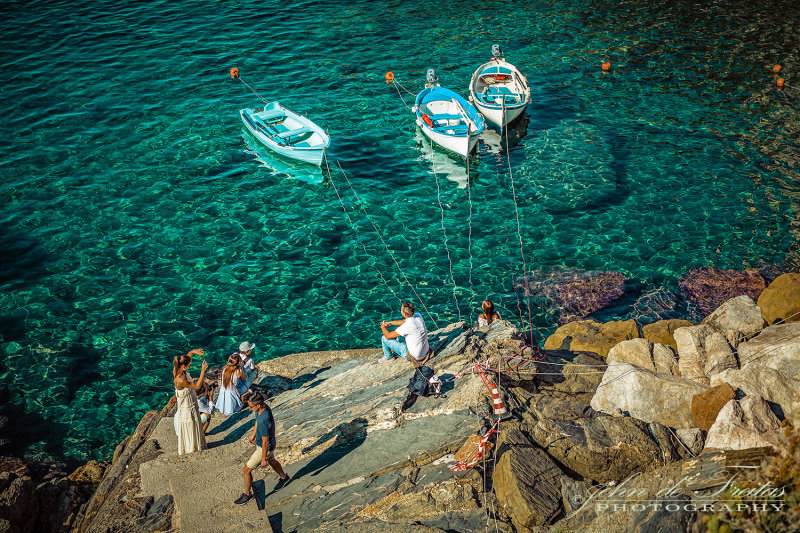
137, 222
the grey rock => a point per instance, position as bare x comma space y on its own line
646, 395
742, 424
737, 319
693, 438
645, 354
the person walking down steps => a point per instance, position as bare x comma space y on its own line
264, 438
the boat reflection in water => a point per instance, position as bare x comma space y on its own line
444, 164
498, 141
281, 166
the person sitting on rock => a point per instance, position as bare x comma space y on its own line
489, 315
232, 386
264, 438
206, 406
409, 338
246, 355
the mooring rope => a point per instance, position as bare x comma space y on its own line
355, 230
469, 234
444, 231
519, 231
386, 246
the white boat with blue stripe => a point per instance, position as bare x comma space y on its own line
286, 132
447, 118
499, 90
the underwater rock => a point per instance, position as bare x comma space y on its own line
709, 287
575, 294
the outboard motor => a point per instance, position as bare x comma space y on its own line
496, 52
431, 77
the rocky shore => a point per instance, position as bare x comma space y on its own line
612, 427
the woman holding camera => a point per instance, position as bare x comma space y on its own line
190, 434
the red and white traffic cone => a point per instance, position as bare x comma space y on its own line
499, 406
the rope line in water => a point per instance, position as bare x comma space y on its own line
386, 246
469, 234
444, 231
519, 232
253, 90
355, 231
395, 83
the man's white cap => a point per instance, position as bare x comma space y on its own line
246, 347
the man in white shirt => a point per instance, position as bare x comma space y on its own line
409, 339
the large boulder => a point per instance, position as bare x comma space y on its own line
780, 302
707, 405
645, 354
661, 332
702, 349
592, 336
19, 502
777, 347
737, 319
755, 379
595, 445
708, 288
742, 424
647, 395
527, 482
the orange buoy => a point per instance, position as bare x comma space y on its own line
606, 66
427, 120
780, 82
776, 69
389, 77
234, 72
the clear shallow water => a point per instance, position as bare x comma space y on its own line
137, 223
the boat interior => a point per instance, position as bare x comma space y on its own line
283, 129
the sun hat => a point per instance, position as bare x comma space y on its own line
246, 347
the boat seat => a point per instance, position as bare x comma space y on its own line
261, 125
461, 129
445, 116
294, 132
271, 117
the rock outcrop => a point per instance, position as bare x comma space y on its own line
598, 418
592, 336
646, 395
645, 354
780, 302
742, 424
662, 331
707, 405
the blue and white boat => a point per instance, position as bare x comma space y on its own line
499, 90
287, 133
447, 118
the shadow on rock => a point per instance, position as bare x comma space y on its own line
349, 436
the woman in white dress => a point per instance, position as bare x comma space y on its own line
189, 427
